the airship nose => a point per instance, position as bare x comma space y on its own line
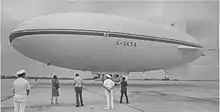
26, 28
48, 23
44, 36
18, 32
13, 36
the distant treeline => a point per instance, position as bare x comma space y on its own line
62, 78
65, 78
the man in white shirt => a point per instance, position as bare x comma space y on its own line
21, 89
109, 85
78, 83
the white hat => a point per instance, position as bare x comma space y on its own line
20, 72
109, 76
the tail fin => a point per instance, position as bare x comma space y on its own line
211, 49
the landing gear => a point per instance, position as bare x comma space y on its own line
144, 75
165, 75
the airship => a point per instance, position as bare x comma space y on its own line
103, 43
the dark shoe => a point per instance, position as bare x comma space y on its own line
82, 105
120, 102
77, 105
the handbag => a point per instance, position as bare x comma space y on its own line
57, 86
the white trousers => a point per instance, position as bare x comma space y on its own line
109, 99
19, 106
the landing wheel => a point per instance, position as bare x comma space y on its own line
166, 77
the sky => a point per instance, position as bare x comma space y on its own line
201, 18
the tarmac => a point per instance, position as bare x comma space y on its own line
144, 96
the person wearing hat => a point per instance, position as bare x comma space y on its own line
21, 89
109, 85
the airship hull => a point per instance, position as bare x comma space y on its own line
101, 50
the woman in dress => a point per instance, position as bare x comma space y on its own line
55, 89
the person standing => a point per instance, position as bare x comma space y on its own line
78, 83
55, 89
21, 89
124, 85
109, 85
35, 79
103, 78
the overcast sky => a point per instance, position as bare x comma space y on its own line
201, 18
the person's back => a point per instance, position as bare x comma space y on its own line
20, 86
108, 83
55, 82
78, 81
55, 89
123, 85
21, 90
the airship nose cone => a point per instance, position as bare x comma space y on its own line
64, 21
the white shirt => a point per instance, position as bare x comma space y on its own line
108, 83
78, 81
20, 85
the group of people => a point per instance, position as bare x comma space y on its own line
78, 84
108, 84
21, 89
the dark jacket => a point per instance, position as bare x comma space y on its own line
124, 85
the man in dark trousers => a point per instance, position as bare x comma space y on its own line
78, 83
124, 85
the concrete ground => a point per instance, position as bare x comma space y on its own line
144, 96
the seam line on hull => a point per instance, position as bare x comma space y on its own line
20, 33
